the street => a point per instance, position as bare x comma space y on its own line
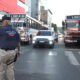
59, 63
34, 23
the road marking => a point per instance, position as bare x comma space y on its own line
71, 58
79, 53
52, 53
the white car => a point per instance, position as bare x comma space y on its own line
44, 38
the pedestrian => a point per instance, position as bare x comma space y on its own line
9, 41
56, 38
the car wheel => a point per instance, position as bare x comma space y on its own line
28, 42
34, 46
51, 46
66, 44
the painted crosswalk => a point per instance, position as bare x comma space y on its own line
79, 53
73, 60
53, 53
69, 54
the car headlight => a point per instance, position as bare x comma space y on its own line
50, 39
33, 42
50, 42
34, 39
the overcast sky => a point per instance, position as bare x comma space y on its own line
61, 8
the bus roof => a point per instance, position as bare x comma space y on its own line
34, 19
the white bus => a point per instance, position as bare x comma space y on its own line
27, 26
34, 26
18, 21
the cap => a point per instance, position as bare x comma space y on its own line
5, 18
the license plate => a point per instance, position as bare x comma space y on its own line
41, 41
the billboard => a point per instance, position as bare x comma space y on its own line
22, 1
11, 6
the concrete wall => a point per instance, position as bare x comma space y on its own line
44, 16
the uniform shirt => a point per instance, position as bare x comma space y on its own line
9, 37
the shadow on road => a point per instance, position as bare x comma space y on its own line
25, 44
43, 47
73, 46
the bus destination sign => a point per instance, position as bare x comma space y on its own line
73, 17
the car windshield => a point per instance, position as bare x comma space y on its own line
44, 33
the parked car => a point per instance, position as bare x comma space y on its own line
44, 38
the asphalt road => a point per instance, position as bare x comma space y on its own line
59, 63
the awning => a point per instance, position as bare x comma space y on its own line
11, 6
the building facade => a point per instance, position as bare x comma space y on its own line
49, 19
35, 9
44, 3
46, 16
43, 15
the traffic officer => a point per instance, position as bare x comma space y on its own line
9, 41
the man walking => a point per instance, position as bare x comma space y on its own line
9, 41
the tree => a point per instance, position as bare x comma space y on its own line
64, 25
54, 26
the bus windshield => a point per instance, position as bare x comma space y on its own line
72, 25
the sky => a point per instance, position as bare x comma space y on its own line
62, 8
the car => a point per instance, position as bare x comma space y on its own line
44, 38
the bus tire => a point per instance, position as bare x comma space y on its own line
28, 42
66, 44
52, 46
